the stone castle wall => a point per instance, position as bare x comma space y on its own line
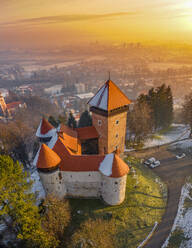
51, 183
113, 189
84, 185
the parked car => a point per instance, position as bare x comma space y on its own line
179, 156
152, 162
155, 164
149, 161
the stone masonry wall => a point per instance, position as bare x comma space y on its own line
113, 189
82, 184
52, 183
85, 185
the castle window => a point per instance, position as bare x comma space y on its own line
117, 122
116, 182
99, 122
60, 176
116, 135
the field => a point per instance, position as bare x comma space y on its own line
135, 217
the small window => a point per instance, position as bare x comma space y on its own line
60, 176
116, 182
117, 122
99, 122
116, 135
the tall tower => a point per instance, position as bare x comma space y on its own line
109, 113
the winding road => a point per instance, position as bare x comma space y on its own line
173, 172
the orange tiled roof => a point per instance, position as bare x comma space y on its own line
47, 158
69, 131
71, 162
45, 126
13, 105
85, 133
119, 167
109, 97
70, 137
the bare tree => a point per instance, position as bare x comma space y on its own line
139, 122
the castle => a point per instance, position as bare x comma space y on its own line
64, 167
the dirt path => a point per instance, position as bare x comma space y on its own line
173, 172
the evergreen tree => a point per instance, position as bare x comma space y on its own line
63, 118
18, 210
187, 111
71, 121
85, 119
160, 101
169, 110
53, 122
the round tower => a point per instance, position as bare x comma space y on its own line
109, 113
114, 177
47, 162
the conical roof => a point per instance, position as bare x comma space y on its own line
45, 129
109, 97
113, 166
46, 158
120, 168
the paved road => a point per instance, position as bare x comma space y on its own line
173, 172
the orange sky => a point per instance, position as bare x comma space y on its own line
48, 22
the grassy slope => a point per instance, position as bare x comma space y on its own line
135, 217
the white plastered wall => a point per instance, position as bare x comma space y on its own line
113, 189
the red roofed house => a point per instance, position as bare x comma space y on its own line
9, 108
65, 170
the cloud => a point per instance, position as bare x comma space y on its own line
68, 18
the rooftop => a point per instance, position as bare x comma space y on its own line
46, 158
110, 165
85, 133
109, 97
45, 129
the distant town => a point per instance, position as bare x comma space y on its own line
69, 77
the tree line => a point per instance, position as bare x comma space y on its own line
69, 120
151, 112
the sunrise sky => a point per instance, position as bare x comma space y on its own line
48, 22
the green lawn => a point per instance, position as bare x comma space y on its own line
134, 218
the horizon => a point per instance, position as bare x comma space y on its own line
47, 24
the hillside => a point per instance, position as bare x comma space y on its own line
135, 217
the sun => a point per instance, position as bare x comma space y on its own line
187, 5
